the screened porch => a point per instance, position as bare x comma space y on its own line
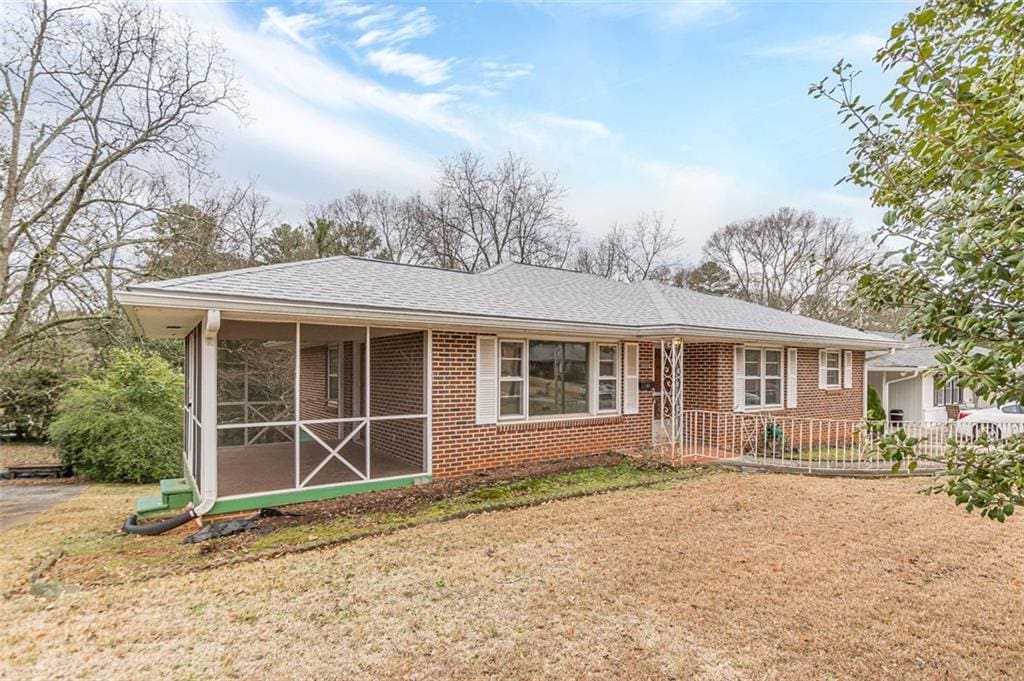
308, 406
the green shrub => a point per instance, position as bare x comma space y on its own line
28, 396
876, 412
124, 422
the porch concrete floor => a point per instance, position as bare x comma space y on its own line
268, 467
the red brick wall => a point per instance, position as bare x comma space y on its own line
812, 401
708, 386
347, 377
313, 392
460, 446
397, 370
707, 376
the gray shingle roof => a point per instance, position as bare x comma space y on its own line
917, 354
908, 357
508, 291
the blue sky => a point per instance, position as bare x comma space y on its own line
696, 109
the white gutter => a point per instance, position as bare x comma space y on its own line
365, 316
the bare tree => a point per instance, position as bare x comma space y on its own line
602, 257
645, 249
479, 216
397, 226
797, 261
89, 89
249, 223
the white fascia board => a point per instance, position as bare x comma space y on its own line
883, 369
269, 308
133, 319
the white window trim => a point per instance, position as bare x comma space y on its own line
337, 376
598, 377
838, 385
522, 379
781, 377
593, 366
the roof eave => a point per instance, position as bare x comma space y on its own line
148, 297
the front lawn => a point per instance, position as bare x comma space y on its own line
83, 545
721, 576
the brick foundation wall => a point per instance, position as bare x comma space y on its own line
461, 446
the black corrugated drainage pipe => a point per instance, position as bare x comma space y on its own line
159, 527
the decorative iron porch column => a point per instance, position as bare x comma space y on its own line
672, 391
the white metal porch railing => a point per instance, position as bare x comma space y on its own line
260, 418
808, 442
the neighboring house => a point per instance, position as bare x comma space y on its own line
320, 378
904, 380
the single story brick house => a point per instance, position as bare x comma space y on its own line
320, 378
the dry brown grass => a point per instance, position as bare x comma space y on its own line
82, 544
12, 453
722, 577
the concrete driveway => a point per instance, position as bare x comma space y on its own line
20, 503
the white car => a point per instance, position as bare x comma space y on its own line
998, 422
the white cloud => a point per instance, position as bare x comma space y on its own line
328, 146
504, 73
416, 23
300, 79
370, 20
582, 126
316, 81
698, 199
858, 208
290, 26
344, 8
834, 46
424, 70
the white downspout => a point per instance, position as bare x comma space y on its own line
208, 415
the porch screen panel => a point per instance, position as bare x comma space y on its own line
192, 431
255, 382
331, 432
194, 401
397, 382
398, 447
397, 372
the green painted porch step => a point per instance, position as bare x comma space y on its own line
175, 493
150, 504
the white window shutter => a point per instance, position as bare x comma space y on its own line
791, 378
738, 400
631, 378
486, 379
822, 370
848, 369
